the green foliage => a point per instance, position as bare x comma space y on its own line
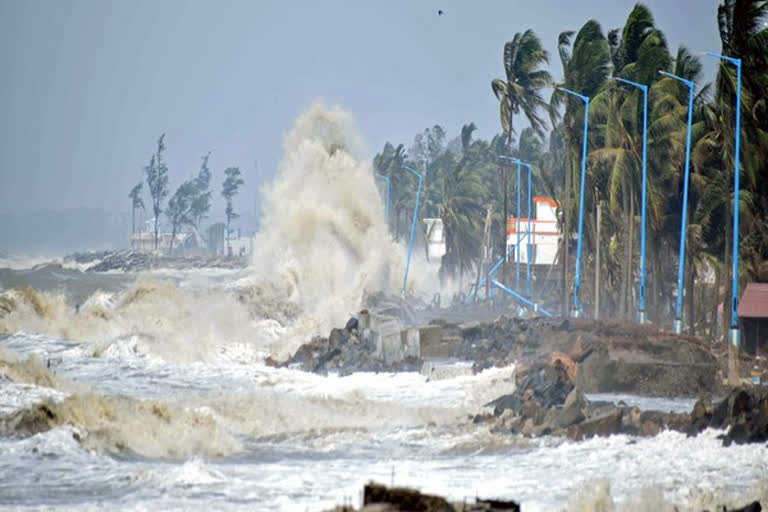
157, 179
463, 177
524, 82
179, 211
229, 188
201, 200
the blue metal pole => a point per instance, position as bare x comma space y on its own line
494, 269
385, 179
413, 225
678, 323
518, 253
734, 332
576, 311
528, 245
535, 307
641, 314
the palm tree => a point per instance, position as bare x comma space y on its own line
461, 210
391, 163
638, 54
521, 90
586, 66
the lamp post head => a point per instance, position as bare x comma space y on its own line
691, 85
583, 98
732, 60
642, 87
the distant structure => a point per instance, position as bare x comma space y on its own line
236, 244
753, 315
434, 237
144, 241
545, 235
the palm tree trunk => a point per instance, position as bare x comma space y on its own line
173, 236
625, 264
715, 302
726, 275
565, 239
691, 303
156, 238
504, 222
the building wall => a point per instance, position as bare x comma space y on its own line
545, 236
436, 240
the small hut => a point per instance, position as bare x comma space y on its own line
753, 315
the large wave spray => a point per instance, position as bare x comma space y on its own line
324, 238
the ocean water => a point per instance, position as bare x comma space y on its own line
156, 396
140, 432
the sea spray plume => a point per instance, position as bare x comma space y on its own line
324, 236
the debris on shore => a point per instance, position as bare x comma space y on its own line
379, 498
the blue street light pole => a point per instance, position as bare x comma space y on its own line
385, 179
528, 244
413, 223
641, 315
734, 332
517, 258
678, 324
530, 239
576, 311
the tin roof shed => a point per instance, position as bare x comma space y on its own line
754, 301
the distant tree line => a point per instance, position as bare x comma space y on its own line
190, 203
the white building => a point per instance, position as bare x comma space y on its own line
235, 244
544, 237
434, 237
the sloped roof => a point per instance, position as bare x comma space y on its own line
754, 301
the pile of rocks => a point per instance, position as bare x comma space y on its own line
743, 413
379, 498
136, 261
346, 351
546, 402
125, 261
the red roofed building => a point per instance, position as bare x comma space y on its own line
753, 313
545, 235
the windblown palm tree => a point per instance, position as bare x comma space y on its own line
461, 210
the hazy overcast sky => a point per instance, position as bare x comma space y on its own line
88, 85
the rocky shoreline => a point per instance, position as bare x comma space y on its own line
136, 261
558, 363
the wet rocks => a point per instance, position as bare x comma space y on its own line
403, 499
128, 261
547, 402
743, 414
137, 261
379, 498
346, 351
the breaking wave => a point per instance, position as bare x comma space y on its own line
324, 243
597, 497
324, 238
126, 425
27, 371
172, 323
